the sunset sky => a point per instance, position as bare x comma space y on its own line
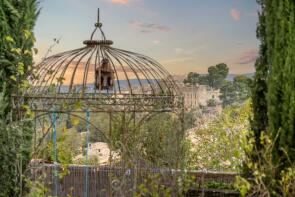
183, 35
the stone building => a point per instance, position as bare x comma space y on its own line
199, 96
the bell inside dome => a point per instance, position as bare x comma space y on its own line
104, 76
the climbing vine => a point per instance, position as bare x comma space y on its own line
17, 20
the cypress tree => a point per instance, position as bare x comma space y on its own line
273, 91
259, 89
281, 87
287, 59
289, 86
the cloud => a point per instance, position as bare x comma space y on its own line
149, 27
177, 60
156, 42
178, 50
247, 57
119, 1
235, 14
144, 31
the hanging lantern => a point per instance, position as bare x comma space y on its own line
104, 76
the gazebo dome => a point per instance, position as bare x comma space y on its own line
99, 68
100, 78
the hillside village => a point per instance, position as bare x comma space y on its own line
197, 99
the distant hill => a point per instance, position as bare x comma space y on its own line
123, 84
230, 77
135, 83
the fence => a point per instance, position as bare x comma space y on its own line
91, 181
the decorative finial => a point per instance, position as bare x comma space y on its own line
98, 23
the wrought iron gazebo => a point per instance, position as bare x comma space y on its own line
100, 75
99, 78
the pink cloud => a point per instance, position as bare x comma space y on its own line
120, 1
235, 14
247, 57
149, 27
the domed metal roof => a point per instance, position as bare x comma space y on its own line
100, 75
99, 68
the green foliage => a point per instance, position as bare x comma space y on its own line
259, 120
91, 160
215, 77
243, 86
190, 118
17, 19
280, 28
37, 189
264, 180
273, 92
242, 185
157, 141
101, 121
162, 140
153, 186
69, 145
228, 93
235, 92
123, 131
211, 103
217, 74
15, 138
16, 43
210, 144
271, 156
192, 78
